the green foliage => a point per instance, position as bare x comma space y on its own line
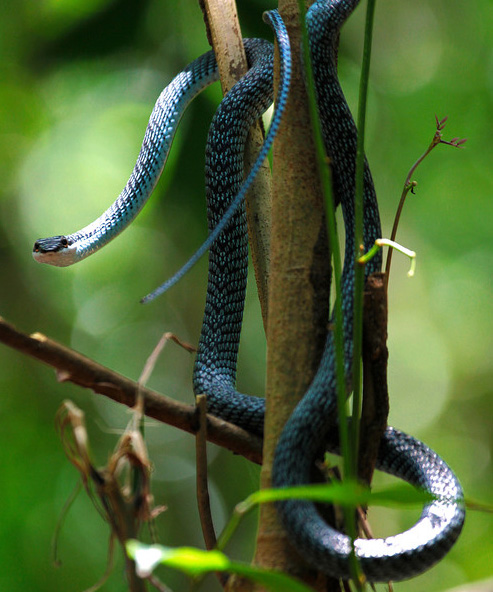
347, 493
195, 563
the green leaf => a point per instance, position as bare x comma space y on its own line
346, 494
195, 562
401, 495
274, 580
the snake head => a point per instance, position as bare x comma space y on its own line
54, 251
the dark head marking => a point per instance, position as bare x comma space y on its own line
53, 244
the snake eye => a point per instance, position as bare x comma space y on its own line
64, 242
36, 247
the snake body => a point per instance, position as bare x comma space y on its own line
65, 250
312, 426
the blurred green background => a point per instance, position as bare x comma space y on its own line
78, 82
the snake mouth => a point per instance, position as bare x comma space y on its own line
56, 250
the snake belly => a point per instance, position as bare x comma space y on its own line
313, 423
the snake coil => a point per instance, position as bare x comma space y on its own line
313, 423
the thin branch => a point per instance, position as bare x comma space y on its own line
203, 500
152, 359
409, 185
375, 355
202, 482
71, 366
359, 274
156, 582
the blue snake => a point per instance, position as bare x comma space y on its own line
312, 426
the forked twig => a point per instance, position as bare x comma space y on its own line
409, 185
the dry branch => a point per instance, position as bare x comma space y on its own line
375, 393
71, 366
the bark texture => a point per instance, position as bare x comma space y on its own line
298, 293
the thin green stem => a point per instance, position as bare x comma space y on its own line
326, 182
410, 185
358, 236
241, 509
358, 268
382, 242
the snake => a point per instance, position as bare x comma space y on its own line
312, 426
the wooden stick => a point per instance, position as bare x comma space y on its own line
298, 293
73, 367
375, 354
203, 500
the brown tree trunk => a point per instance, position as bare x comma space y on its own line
298, 293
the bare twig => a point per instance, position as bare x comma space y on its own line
109, 568
149, 368
152, 359
375, 354
124, 508
73, 367
156, 582
202, 482
203, 500
410, 185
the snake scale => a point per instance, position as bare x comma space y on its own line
312, 425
